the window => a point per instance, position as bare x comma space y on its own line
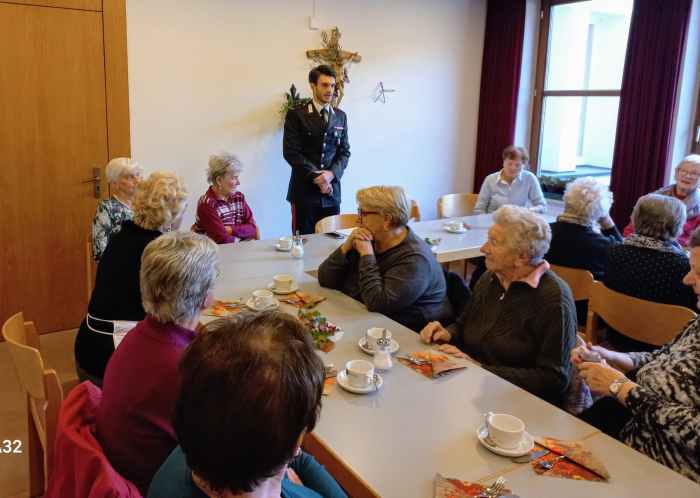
581, 57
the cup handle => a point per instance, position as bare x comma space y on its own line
487, 416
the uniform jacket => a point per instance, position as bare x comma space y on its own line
310, 146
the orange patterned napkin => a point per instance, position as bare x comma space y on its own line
302, 299
446, 487
224, 308
440, 364
579, 463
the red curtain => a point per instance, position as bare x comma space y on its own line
500, 81
647, 101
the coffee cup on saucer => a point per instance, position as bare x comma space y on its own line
360, 373
284, 243
283, 282
454, 225
263, 299
373, 334
505, 430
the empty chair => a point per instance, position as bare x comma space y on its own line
44, 395
644, 321
452, 205
415, 211
336, 222
579, 281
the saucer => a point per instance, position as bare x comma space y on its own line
526, 444
453, 230
282, 249
294, 288
251, 304
342, 379
393, 347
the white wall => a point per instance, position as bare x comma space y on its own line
209, 75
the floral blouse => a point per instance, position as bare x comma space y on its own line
108, 221
665, 407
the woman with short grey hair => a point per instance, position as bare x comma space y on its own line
386, 266
584, 232
222, 212
123, 175
141, 383
520, 322
650, 264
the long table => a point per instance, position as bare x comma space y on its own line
395, 440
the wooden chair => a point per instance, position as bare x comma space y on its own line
415, 211
44, 395
645, 321
579, 281
452, 205
336, 222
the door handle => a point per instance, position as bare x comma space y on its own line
95, 180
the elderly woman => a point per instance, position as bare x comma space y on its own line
584, 232
385, 265
686, 190
521, 322
511, 185
243, 438
222, 212
133, 422
657, 413
158, 206
123, 174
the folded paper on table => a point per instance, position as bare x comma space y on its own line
223, 308
439, 364
580, 463
302, 299
446, 487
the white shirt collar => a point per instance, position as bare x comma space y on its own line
517, 178
318, 106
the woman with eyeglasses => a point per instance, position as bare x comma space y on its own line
386, 266
685, 189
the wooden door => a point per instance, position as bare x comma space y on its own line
53, 131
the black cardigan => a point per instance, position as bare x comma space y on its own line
116, 296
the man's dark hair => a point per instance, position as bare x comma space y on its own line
250, 386
318, 71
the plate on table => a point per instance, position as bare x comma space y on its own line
282, 249
275, 290
526, 444
451, 229
342, 380
251, 304
393, 348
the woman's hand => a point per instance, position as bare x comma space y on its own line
359, 234
453, 350
599, 376
434, 332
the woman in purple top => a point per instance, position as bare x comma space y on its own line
141, 383
222, 212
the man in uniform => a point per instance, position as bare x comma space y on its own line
316, 147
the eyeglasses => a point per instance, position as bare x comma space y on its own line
362, 213
689, 174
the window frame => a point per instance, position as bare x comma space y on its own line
539, 91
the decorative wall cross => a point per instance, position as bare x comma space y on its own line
333, 55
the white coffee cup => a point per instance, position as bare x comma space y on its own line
283, 282
505, 430
372, 335
285, 243
360, 373
263, 299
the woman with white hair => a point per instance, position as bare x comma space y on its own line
141, 383
385, 265
158, 206
123, 175
685, 189
521, 321
584, 232
222, 212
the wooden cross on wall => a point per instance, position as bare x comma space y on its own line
333, 55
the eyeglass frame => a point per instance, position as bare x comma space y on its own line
361, 213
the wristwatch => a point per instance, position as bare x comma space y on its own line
617, 384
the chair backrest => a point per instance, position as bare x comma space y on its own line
458, 294
336, 222
257, 232
452, 205
645, 321
44, 395
415, 211
579, 281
